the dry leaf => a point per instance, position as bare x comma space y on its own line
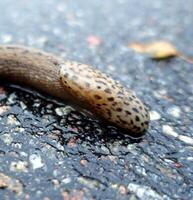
156, 49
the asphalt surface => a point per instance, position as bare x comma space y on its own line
49, 150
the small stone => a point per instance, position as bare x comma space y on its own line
88, 182
36, 161
17, 145
190, 158
186, 139
174, 111
154, 115
169, 130
55, 182
23, 106
144, 192
20, 166
122, 189
6, 138
12, 120
3, 109
12, 98
66, 180
63, 110
105, 150
83, 162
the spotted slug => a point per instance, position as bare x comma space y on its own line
75, 83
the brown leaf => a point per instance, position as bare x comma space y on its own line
156, 49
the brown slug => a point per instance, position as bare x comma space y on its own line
75, 83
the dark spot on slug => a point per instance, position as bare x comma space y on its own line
126, 103
114, 103
120, 93
66, 74
11, 47
25, 51
98, 81
87, 84
110, 99
135, 110
137, 102
88, 76
127, 112
97, 96
119, 109
137, 118
146, 122
74, 77
55, 62
113, 86
109, 112
108, 91
122, 121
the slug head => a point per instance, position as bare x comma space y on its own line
104, 97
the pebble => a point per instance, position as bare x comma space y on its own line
11, 119
20, 166
89, 182
66, 180
12, 98
186, 139
36, 161
154, 115
175, 111
169, 130
63, 110
144, 192
55, 182
122, 190
3, 109
6, 138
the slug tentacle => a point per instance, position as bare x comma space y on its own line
76, 83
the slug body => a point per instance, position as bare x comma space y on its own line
75, 83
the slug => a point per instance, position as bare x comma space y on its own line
75, 83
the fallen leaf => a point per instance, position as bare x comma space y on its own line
159, 50
156, 49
